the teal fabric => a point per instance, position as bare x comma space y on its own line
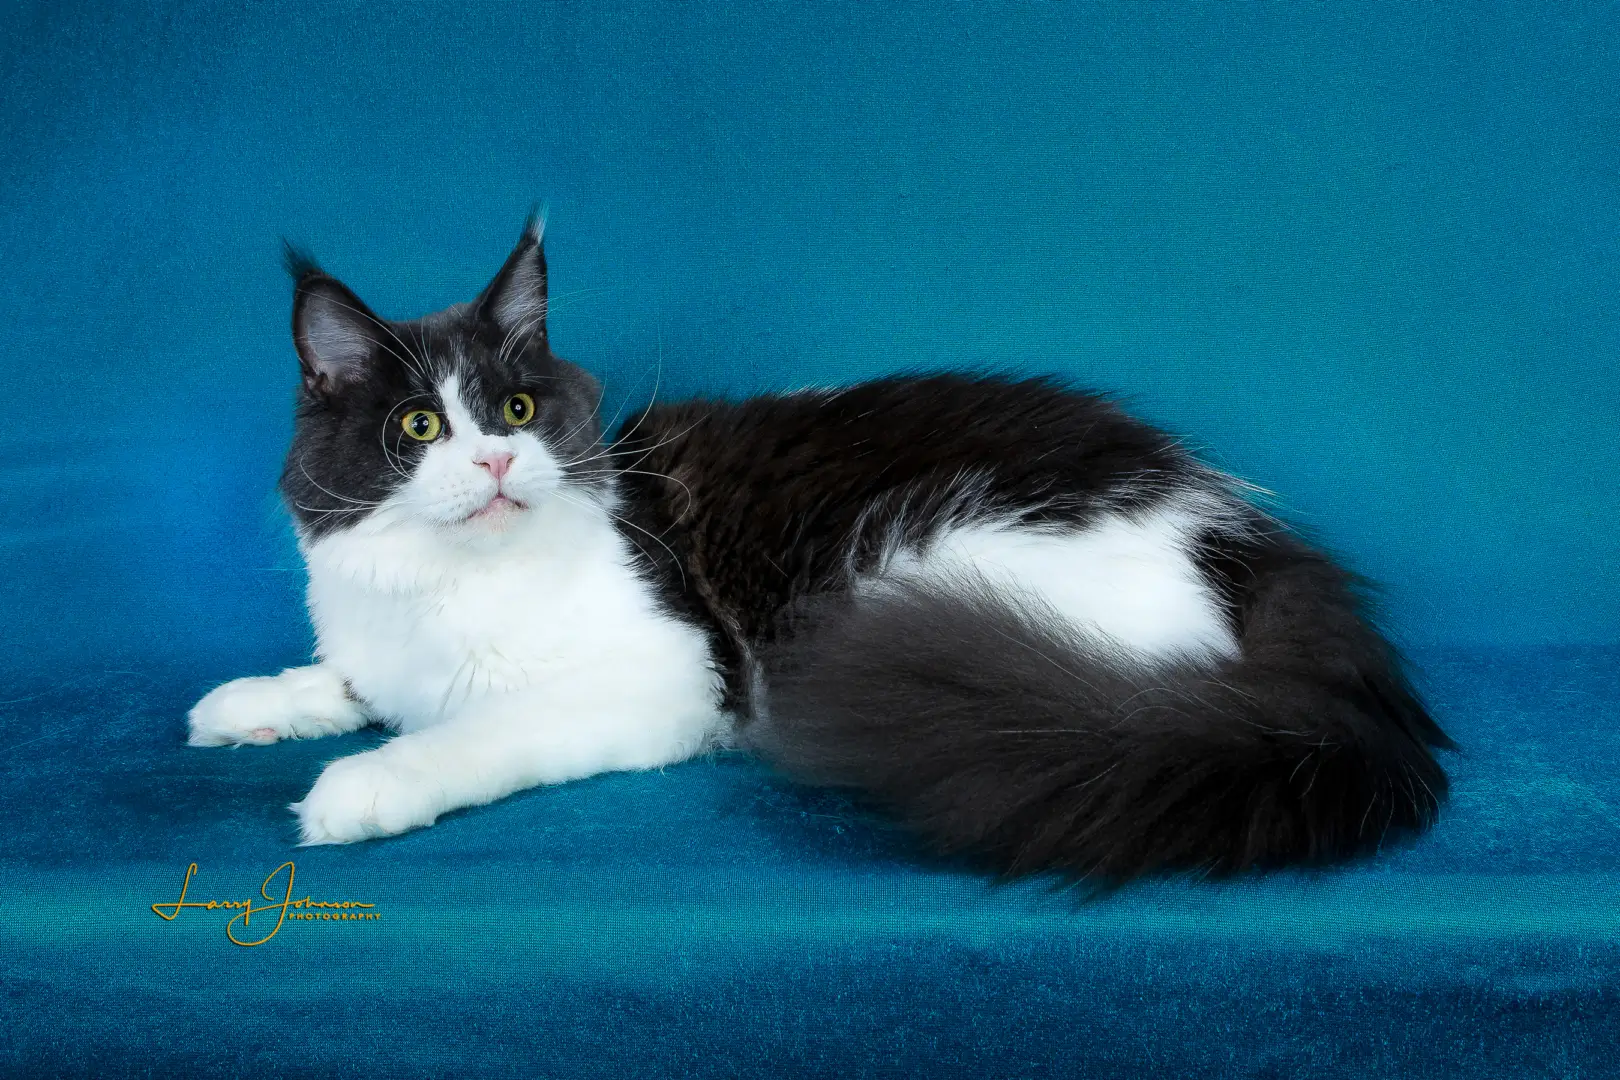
712, 921
1364, 255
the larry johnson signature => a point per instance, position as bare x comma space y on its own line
300, 909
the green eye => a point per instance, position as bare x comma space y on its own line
519, 409
423, 426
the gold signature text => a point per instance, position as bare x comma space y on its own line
283, 905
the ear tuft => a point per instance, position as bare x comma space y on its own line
534, 226
516, 300
299, 263
336, 334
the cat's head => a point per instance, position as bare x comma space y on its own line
463, 422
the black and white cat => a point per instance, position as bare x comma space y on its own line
1034, 628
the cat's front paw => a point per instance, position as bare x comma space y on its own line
364, 796
300, 703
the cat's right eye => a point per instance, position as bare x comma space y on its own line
422, 425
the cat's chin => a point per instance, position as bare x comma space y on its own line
496, 515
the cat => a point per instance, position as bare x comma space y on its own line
1036, 630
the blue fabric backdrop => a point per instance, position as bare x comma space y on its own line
1364, 255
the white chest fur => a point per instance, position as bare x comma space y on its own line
423, 626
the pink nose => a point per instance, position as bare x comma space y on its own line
496, 461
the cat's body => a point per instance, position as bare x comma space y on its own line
1032, 626
783, 498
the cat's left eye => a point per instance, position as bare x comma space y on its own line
421, 425
519, 409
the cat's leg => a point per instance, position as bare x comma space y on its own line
300, 703
501, 746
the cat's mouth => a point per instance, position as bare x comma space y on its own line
498, 507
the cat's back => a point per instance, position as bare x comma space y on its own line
779, 496
873, 435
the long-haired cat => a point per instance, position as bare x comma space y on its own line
1035, 629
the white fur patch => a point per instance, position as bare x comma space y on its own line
300, 703
423, 624
1127, 579
531, 656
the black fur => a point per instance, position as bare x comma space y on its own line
991, 732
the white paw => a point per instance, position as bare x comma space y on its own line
364, 796
300, 703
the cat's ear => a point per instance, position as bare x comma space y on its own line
336, 334
516, 300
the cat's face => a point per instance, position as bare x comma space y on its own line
462, 421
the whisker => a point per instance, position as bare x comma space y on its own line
329, 491
612, 451
658, 381
331, 510
577, 428
676, 559
644, 472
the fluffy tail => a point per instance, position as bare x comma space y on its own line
1014, 739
